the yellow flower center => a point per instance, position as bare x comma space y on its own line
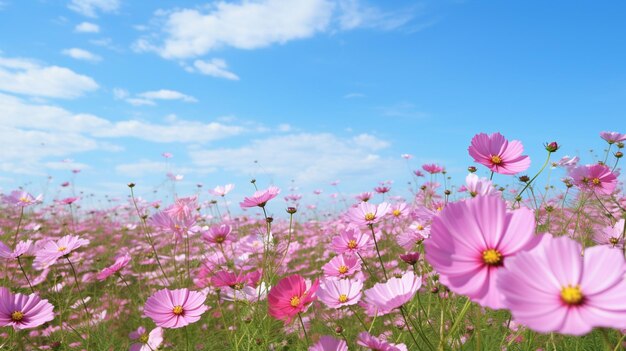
62, 248
144, 338
24, 200
572, 295
492, 257
614, 241
595, 181
352, 244
178, 310
397, 213
496, 160
420, 227
219, 239
237, 286
343, 269
343, 298
17, 316
369, 216
295, 301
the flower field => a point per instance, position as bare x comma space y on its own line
530, 257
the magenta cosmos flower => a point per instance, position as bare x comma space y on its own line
290, 296
351, 240
53, 250
23, 311
339, 293
553, 288
342, 266
597, 178
470, 240
328, 343
432, 168
373, 343
366, 213
147, 341
260, 198
118, 265
175, 308
385, 297
612, 137
498, 154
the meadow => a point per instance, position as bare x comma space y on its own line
527, 258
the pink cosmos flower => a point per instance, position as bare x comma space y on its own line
290, 296
23, 311
183, 209
610, 235
178, 225
352, 241
410, 258
498, 154
218, 234
418, 173
382, 189
175, 308
328, 343
399, 210
167, 155
222, 190
366, 213
613, 137
470, 240
342, 266
147, 342
373, 343
235, 281
260, 198
53, 250
339, 293
385, 297
597, 178
364, 197
552, 288
119, 264
479, 186
406, 156
19, 198
21, 248
432, 168
69, 200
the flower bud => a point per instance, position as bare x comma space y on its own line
552, 147
471, 169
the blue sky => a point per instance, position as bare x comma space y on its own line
314, 90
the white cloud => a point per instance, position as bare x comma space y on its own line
165, 94
87, 27
140, 102
173, 131
215, 67
27, 77
353, 96
90, 8
304, 157
80, 54
245, 25
354, 14
120, 93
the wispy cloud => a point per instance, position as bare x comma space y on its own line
90, 8
402, 110
304, 157
149, 98
87, 27
215, 68
80, 54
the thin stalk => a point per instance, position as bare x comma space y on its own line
19, 224
406, 322
378, 251
538, 173
82, 300
19, 262
308, 342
